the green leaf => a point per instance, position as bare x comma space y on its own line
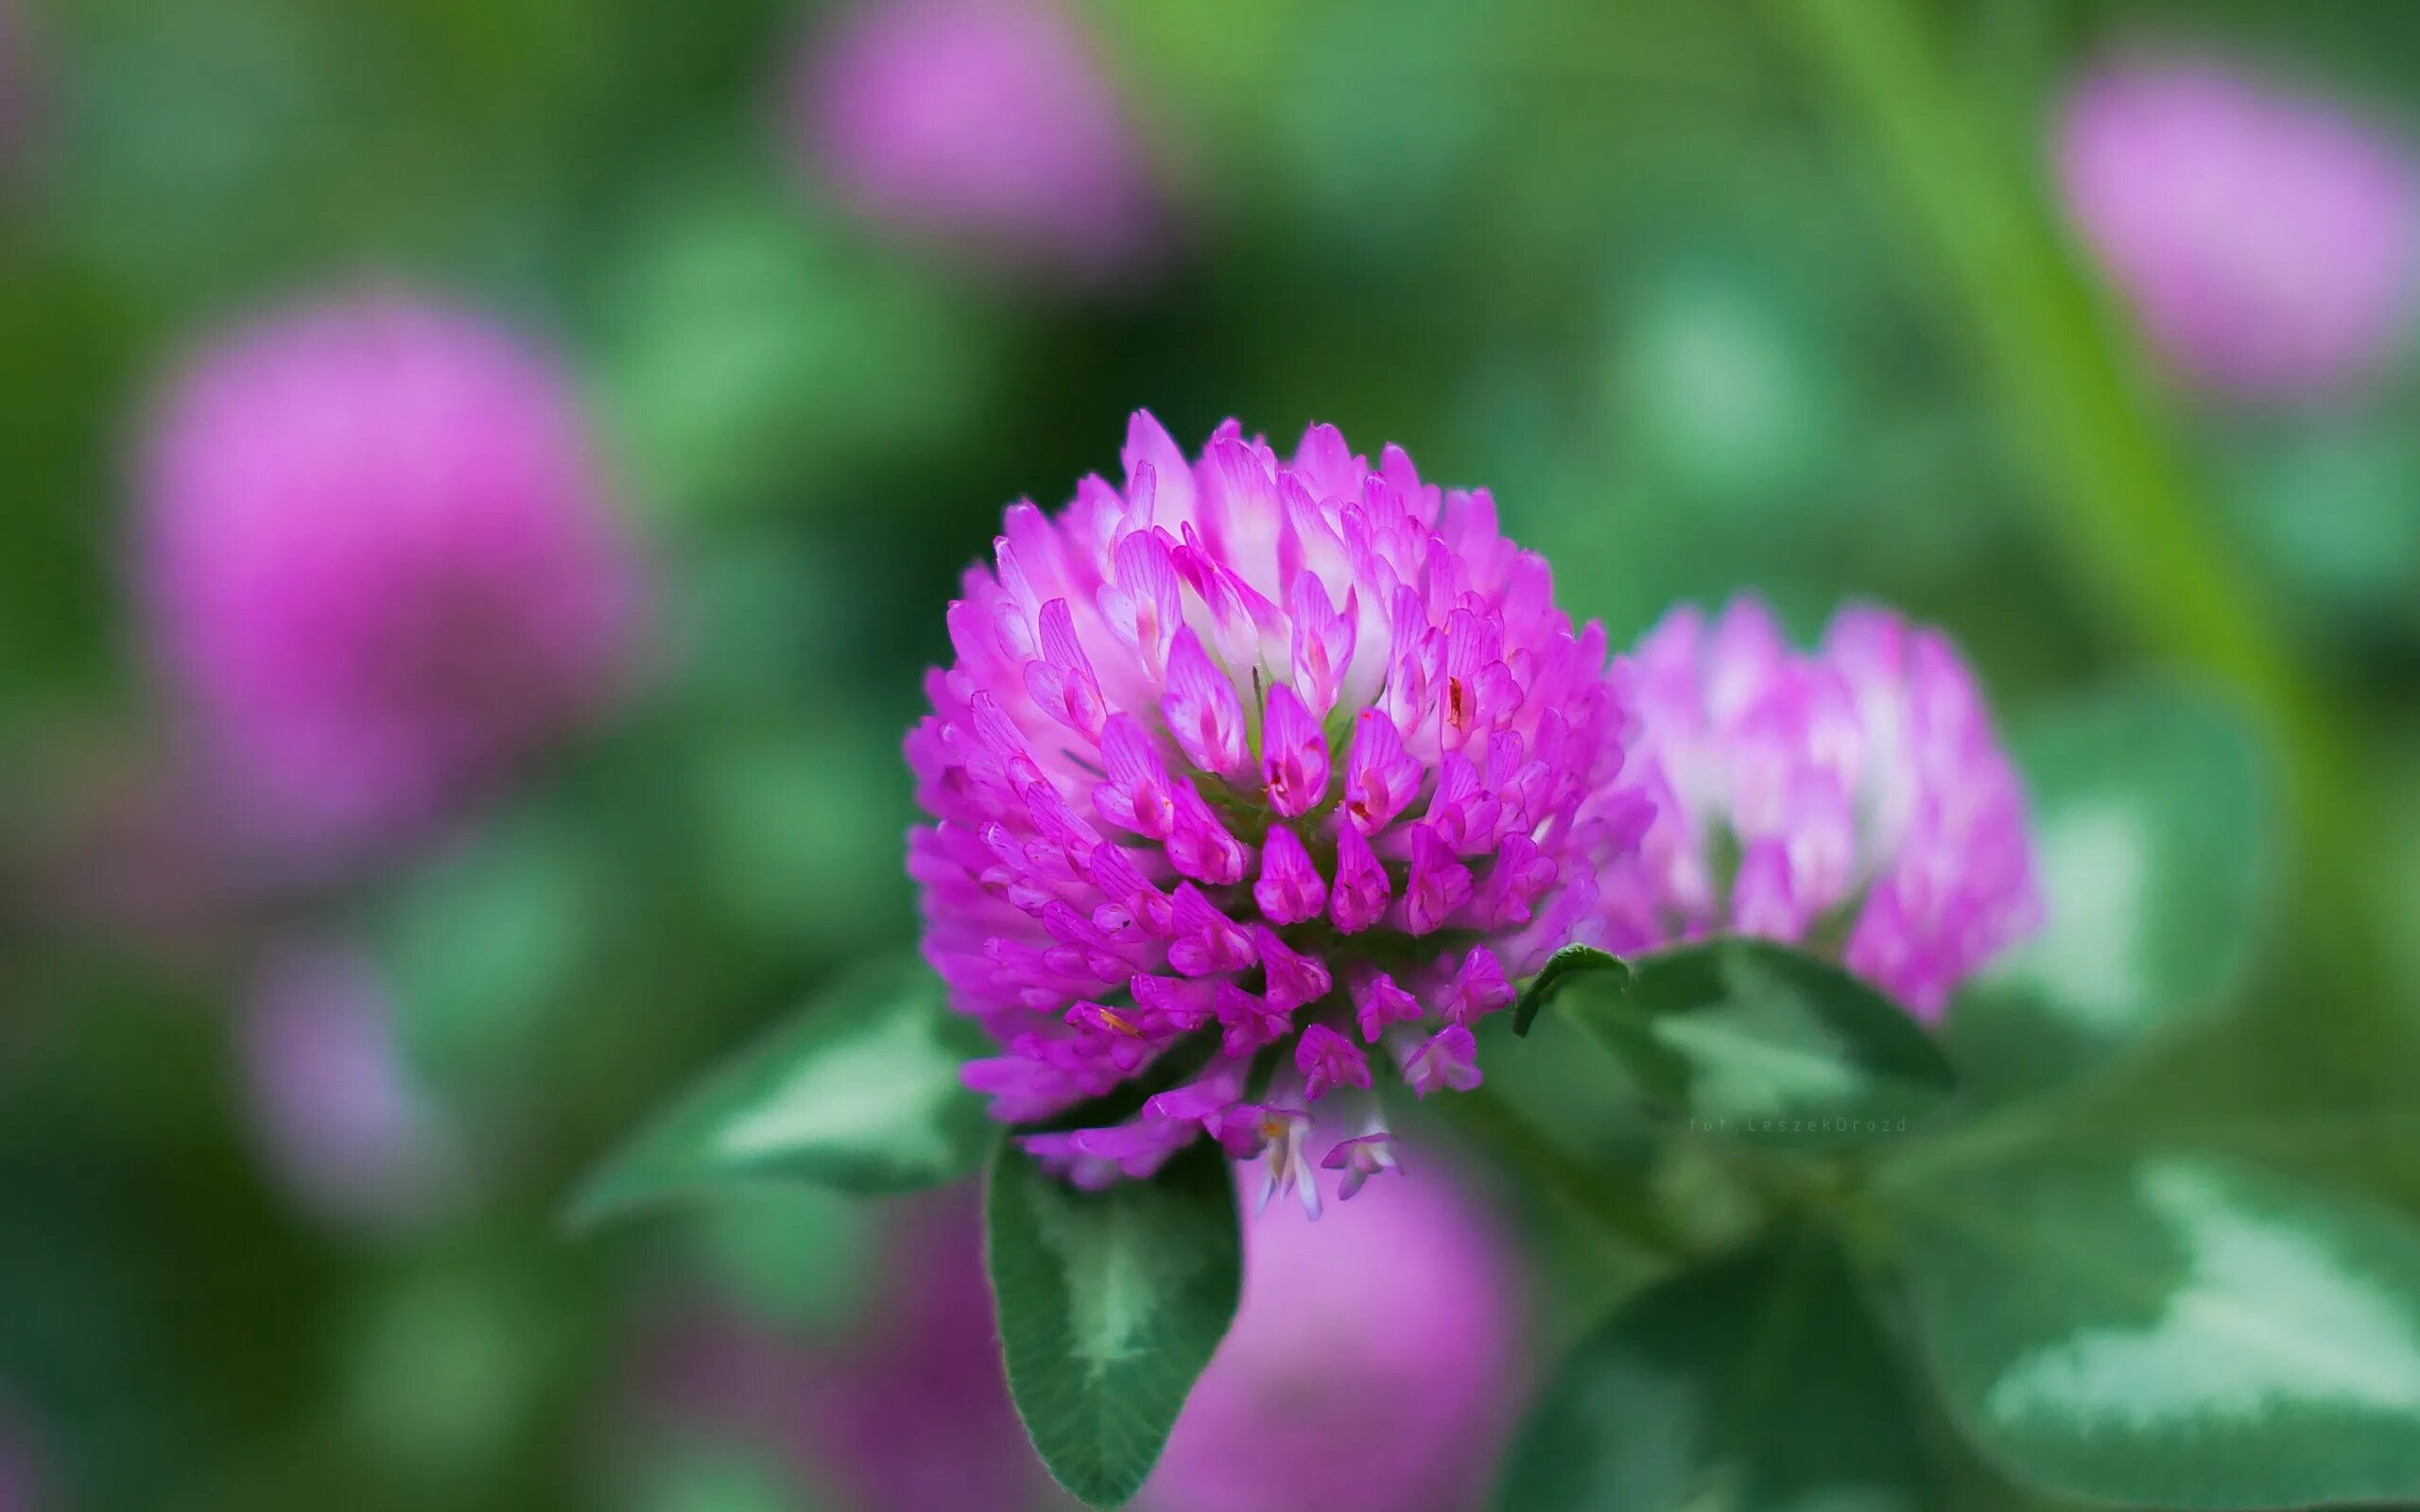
1570, 961
1755, 1041
2151, 817
1758, 1382
1111, 1303
2185, 1331
859, 1094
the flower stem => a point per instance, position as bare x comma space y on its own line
1616, 1202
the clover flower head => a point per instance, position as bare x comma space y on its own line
1855, 798
2267, 240
380, 565
1256, 778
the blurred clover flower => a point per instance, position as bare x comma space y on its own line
987, 123
1323, 1398
339, 1114
908, 1412
380, 563
2266, 240
1855, 798
1246, 769
916, 1418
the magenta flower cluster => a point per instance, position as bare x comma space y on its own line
1295, 751
1856, 796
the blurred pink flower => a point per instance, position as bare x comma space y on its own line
909, 1413
381, 565
2267, 240
916, 1416
339, 1113
988, 123
1373, 1367
1864, 779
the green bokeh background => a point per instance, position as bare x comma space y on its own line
1760, 295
